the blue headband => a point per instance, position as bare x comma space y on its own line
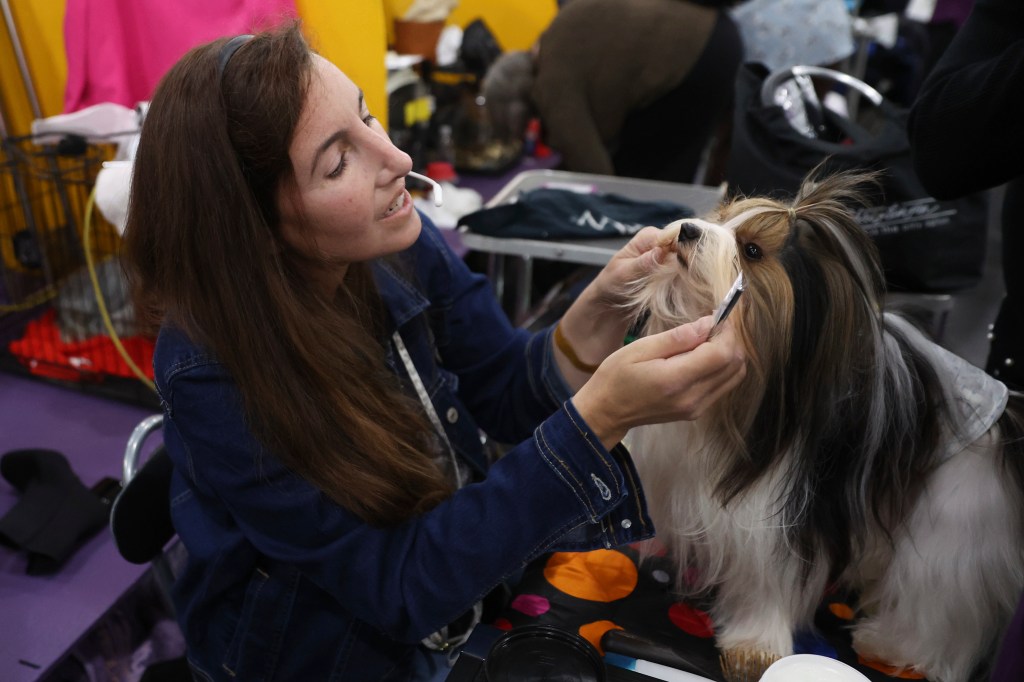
228, 50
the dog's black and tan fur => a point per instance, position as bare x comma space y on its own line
855, 451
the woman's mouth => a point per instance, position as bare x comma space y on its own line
397, 205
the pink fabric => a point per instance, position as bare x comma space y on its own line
118, 50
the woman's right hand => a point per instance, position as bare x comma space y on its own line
672, 376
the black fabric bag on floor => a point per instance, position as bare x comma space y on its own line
55, 513
926, 245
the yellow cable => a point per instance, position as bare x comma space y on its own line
108, 323
32, 301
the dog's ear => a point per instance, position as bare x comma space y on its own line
806, 234
830, 229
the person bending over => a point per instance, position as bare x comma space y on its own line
634, 89
967, 135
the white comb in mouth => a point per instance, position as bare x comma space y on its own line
434, 187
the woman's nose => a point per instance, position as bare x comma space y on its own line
392, 156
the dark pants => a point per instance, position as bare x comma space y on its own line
665, 140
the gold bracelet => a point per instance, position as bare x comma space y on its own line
562, 344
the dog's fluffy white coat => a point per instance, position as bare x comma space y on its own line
938, 576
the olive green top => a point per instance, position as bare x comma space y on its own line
601, 59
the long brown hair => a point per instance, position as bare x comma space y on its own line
203, 249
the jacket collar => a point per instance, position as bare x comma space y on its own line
401, 297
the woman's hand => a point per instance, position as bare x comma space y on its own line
672, 376
596, 323
645, 251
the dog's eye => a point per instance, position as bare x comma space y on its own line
752, 251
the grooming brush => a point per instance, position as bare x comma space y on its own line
638, 648
745, 665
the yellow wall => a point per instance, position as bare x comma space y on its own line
515, 23
350, 33
40, 25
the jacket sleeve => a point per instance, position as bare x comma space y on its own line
965, 126
558, 489
507, 376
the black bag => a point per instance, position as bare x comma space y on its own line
479, 48
549, 213
926, 245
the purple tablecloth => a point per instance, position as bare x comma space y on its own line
1010, 664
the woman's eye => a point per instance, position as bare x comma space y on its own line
752, 251
338, 169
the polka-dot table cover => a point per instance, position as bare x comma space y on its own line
594, 592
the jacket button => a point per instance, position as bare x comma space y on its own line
626, 523
452, 414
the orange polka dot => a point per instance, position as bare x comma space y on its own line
690, 620
502, 624
889, 670
593, 632
602, 575
841, 611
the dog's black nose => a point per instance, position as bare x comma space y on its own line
688, 232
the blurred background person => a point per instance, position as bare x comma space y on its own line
632, 89
967, 135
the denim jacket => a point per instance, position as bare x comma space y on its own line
283, 584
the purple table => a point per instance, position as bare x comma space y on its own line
41, 618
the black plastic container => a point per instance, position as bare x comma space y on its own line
541, 652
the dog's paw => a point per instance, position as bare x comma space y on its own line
881, 652
745, 665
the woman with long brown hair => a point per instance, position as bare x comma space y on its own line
327, 365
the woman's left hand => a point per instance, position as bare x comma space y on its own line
645, 251
596, 323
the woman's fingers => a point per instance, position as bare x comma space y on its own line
689, 381
673, 342
675, 375
642, 242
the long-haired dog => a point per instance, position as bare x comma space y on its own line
855, 454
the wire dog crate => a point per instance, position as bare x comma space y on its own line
64, 309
